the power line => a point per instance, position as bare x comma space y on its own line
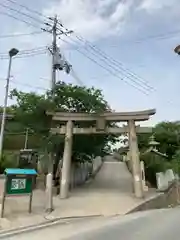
32, 54
25, 56
19, 34
45, 89
20, 20
27, 8
109, 70
120, 69
4, 55
116, 72
158, 36
116, 75
116, 63
28, 85
92, 46
76, 77
22, 13
34, 49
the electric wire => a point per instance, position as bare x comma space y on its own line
27, 8
111, 71
122, 71
22, 13
19, 34
26, 50
25, 55
115, 62
91, 46
20, 20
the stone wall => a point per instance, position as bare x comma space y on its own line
82, 172
164, 179
166, 199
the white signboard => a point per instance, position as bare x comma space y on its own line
18, 184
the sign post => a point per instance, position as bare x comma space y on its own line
18, 182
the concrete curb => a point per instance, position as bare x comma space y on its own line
162, 200
47, 223
149, 204
53, 221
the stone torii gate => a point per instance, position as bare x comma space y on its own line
101, 128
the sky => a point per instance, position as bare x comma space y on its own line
140, 35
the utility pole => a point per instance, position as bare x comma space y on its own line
26, 138
54, 53
53, 76
56, 29
13, 52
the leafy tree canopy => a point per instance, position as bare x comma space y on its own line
167, 134
30, 112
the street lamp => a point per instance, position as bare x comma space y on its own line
177, 50
13, 52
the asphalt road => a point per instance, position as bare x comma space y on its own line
154, 224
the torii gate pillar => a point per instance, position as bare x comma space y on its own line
66, 168
135, 161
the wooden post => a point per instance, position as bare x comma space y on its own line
3, 198
134, 154
30, 202
66, 168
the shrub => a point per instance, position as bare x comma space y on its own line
153, 164
8, 161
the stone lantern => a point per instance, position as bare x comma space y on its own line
153, 143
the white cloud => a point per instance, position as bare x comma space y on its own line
93, 19
96, 19
156, 5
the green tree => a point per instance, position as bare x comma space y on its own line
30, 111
167, 134
153, 164
143, 141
